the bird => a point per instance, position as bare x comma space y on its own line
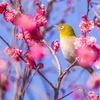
67, 39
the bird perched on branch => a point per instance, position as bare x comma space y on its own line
67, 38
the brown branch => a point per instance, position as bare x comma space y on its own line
87, 9
69, 93
55, 56
30, 79
67, 69
5, 41
96, 14
46, 79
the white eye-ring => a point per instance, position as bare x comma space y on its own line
62, 27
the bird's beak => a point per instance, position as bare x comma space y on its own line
56, 26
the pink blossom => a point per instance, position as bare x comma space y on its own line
20, 35
41, 20
40, 10
38, 51
30, 42
94, 81
80, 42
30, 63
86, 56
9, 15
36, 34
97, 63
91, 94
90, 41
97, 97
13, 53
55, 45
4, 83
3, 6
86, 25
84, 16
8, 51
16, 53
26, 22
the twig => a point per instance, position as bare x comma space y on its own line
56, 58
69, 93
96, 14
30, 80
87, 9
67, 69
5, 41
46, 79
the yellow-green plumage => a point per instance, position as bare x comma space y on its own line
67, 38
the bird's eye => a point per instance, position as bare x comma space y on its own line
62, 27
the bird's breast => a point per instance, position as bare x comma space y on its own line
67, 47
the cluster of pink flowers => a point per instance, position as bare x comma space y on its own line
20, 35
29, 23
87, 51
29, 41
13, 53
37, 51
55, 45
40, 16
86, 25
9, 15
91, 94
26, 22
82, 41
3, 6
30, 63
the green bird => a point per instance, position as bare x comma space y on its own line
67, 38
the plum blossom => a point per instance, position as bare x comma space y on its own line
91, 94
41, 20
3, 6
30, 63
55, 45
86, 56
20, 35
4, 83
95, 80
9, 15
16, 53
37, 51
13, 53
97, 97
28, 39
26, 22
80, 42
40, 10
40, 16
90, 40
84, 16
86, 25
